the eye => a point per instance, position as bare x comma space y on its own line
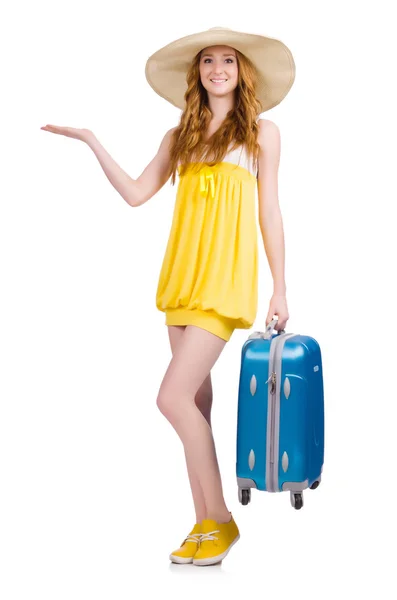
205, 60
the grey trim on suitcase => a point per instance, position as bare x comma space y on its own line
298, 486
278, 364
295, 486
273, 414
244, 483
269, 486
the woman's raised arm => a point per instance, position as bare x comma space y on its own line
134, 191
155, 175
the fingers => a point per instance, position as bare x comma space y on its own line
57, 129
71, 132
53, 128
281, 322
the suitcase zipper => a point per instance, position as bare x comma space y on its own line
273, 413
272, 429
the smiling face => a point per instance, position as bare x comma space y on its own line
219, 70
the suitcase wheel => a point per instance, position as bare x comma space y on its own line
244, 496
314, 485
297, 500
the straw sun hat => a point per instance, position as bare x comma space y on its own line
166, 69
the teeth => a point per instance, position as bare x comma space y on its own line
218, 80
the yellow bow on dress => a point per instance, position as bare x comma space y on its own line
207, 181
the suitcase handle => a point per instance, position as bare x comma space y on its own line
269, 329
267, 334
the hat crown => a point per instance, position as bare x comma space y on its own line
219, 28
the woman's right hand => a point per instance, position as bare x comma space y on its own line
79, 134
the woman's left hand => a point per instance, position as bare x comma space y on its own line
278, 306
83, 135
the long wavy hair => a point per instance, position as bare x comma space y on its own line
240, 125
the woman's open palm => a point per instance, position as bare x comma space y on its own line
72, 132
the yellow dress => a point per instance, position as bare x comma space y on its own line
209, 274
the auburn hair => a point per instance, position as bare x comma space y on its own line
240, 125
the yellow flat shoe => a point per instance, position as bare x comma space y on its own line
188, 547
216, 541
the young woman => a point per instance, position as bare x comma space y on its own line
222, 80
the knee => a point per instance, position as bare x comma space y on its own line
171, 404
164, 403
167, 403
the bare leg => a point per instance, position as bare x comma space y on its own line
203, 401
191, 364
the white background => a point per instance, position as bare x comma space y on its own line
94, 493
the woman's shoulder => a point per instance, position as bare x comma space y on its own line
269, 132
266, 124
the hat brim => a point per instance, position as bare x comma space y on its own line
166, 69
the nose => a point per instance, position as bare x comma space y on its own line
218, 68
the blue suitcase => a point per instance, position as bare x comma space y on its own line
280, 421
